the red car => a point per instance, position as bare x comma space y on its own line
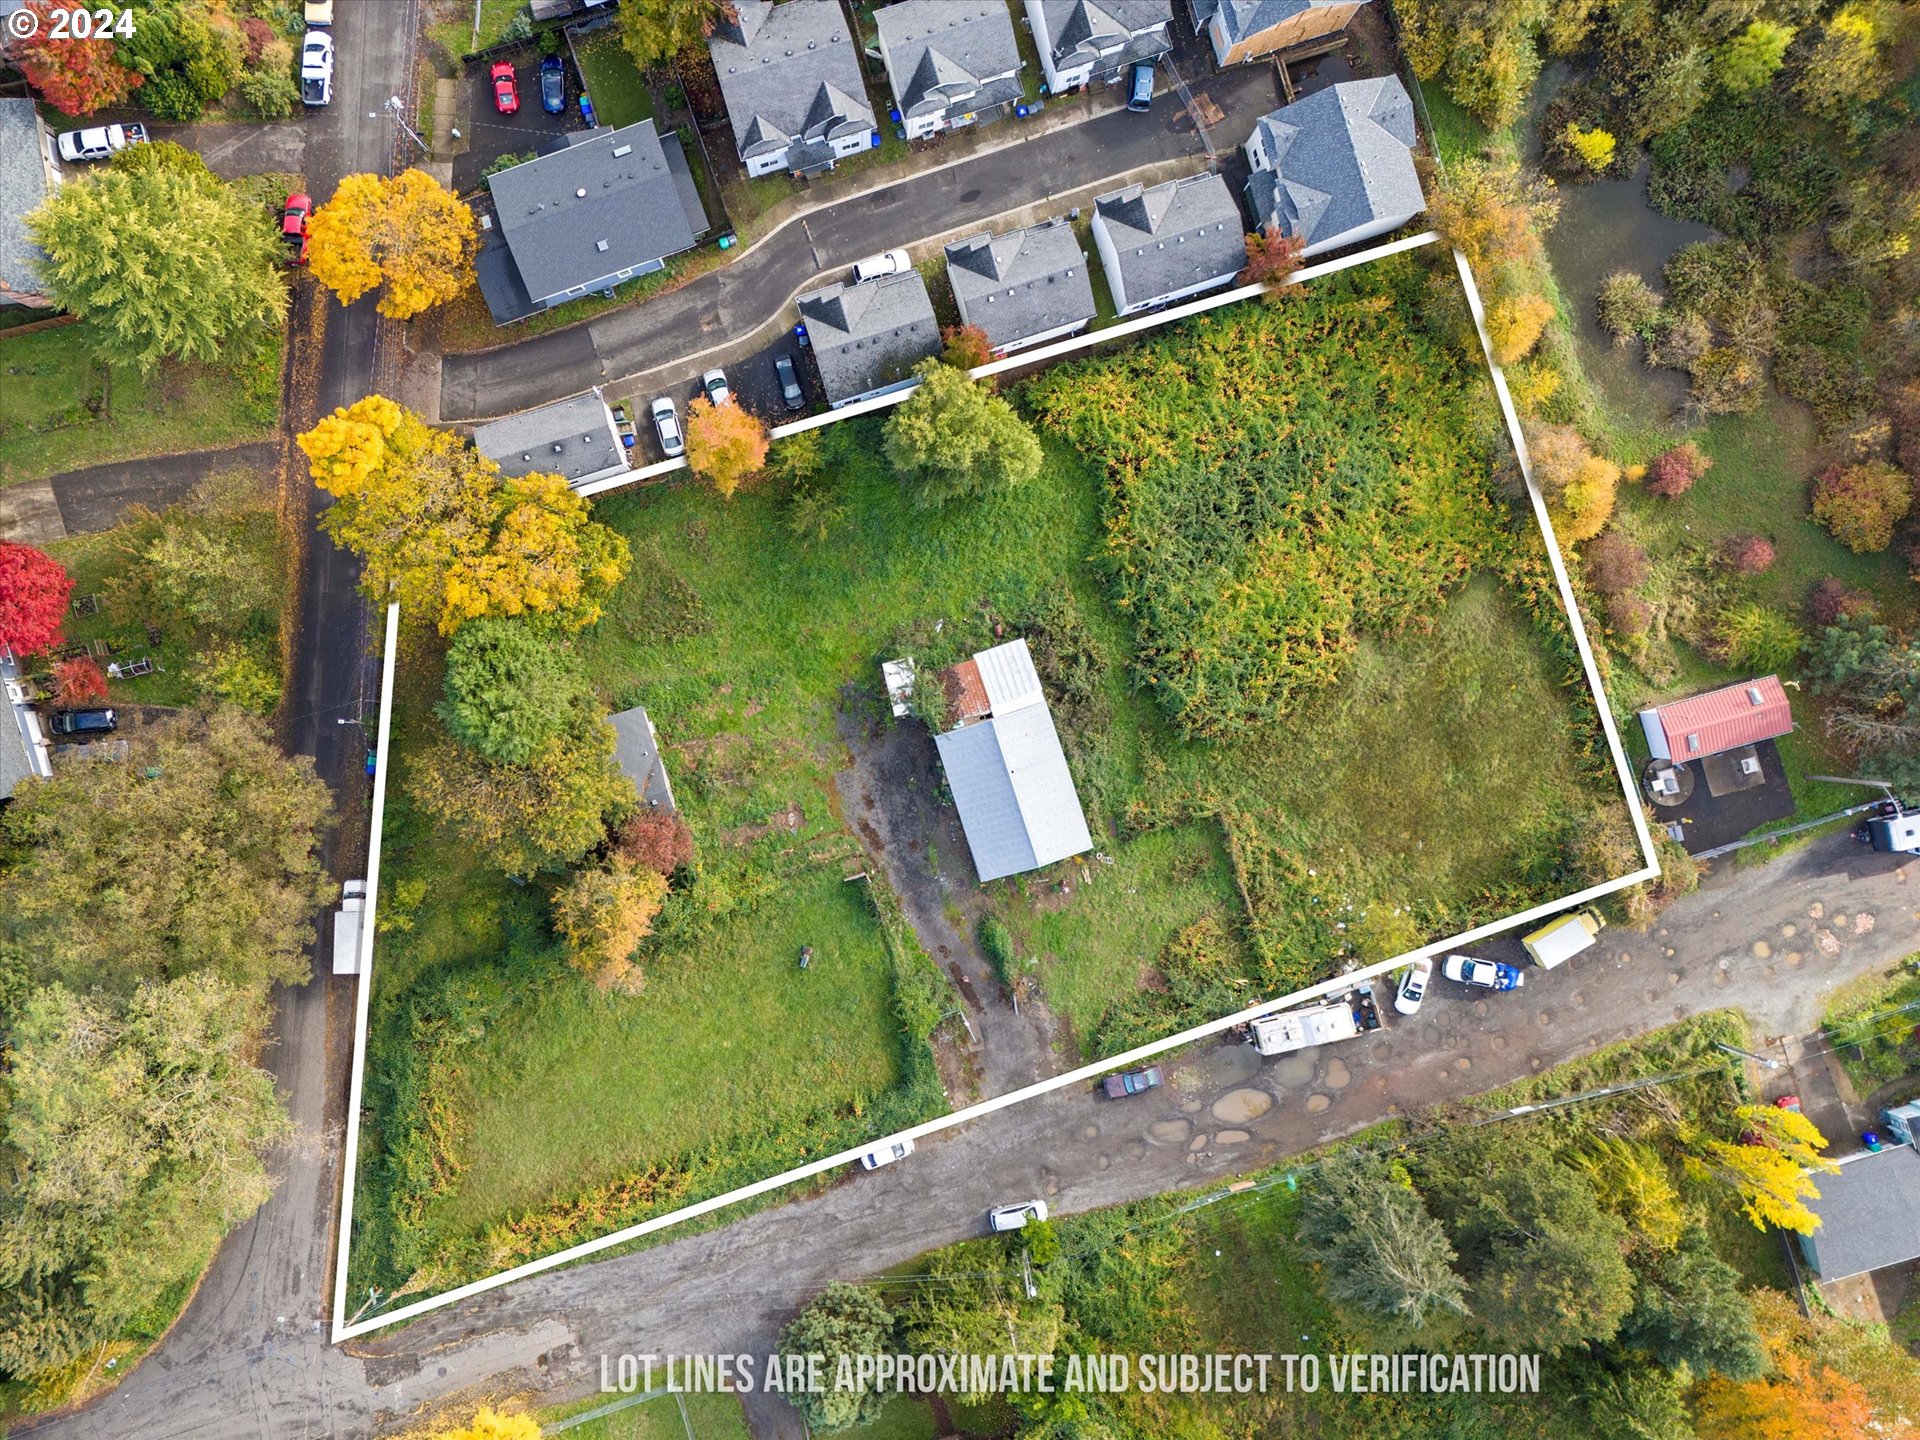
506, 94
293, 228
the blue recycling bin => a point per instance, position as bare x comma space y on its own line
586, 110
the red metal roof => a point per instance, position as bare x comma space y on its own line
1742, 714
966, 693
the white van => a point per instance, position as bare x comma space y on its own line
1560, 940
885, 1154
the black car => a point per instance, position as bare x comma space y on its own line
553, 84
84, 722
789, 382
1140, 86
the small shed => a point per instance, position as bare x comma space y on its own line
637, 752
1868, 1219
1008, 774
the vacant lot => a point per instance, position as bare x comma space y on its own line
1429, 757
62, 409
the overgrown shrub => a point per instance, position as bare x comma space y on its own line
1832, 600
1756, 638
1628, 616
1580, 487
1860, 504
1615, 563
1747, 554
1673, 472
1629, 308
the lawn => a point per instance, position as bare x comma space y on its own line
62, 409
1872, 1026
608, 74
693, 1416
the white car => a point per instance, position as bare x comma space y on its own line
316, 68
319, 14
885, 1154
102, 142
714, 382
1488, 974
1413, 987
666, 424
1003, 1218
887, 262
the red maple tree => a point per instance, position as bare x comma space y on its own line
73, 76
33, 598
79, 682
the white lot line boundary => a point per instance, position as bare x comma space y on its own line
345, 1330
350, 1165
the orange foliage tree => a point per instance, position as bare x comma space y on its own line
725, 444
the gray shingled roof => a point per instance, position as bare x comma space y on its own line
636, 750
23, 186
1242, 18
1079, 29
1009, 777
789, 72
1868, 1218
606, 203
1339, 159
867, 336
1023, 283
1174, 235
569, 437
939, 51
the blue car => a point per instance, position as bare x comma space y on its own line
1487, 974
553, 85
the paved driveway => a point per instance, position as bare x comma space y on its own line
489, 134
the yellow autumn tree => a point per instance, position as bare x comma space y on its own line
1515, 324
604, 913
1773, 1174
439, 529
1595, 147
409, 233
725, 443
488, 1424
1579, 486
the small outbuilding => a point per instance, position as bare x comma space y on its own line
1007, 772
1720, 720
636, 751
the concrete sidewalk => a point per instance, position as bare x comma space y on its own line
730, 305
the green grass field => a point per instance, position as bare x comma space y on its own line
664, 1417
62, 409
608, 74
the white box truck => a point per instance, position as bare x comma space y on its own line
1340, 1018
1558, 941
346, 927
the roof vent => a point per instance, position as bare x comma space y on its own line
600, 245
581, 193
620, 150
1693, 743
525, 457
558, 447
1753, 695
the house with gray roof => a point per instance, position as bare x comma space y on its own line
573, 438
1083, 42
604, 206
28, 173
1023, 288
1868, 1218
867, 338
1242, 30
1336, 167
1007, 772
636, 750
791, 77
1169, 242
950, 62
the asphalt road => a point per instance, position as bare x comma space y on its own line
252, 1344
1769, 939
734, 302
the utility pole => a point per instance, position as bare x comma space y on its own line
1026, 1276
399, 113
1747, 1055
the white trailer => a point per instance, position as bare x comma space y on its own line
1341, 1018
1560, 940
346, 927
